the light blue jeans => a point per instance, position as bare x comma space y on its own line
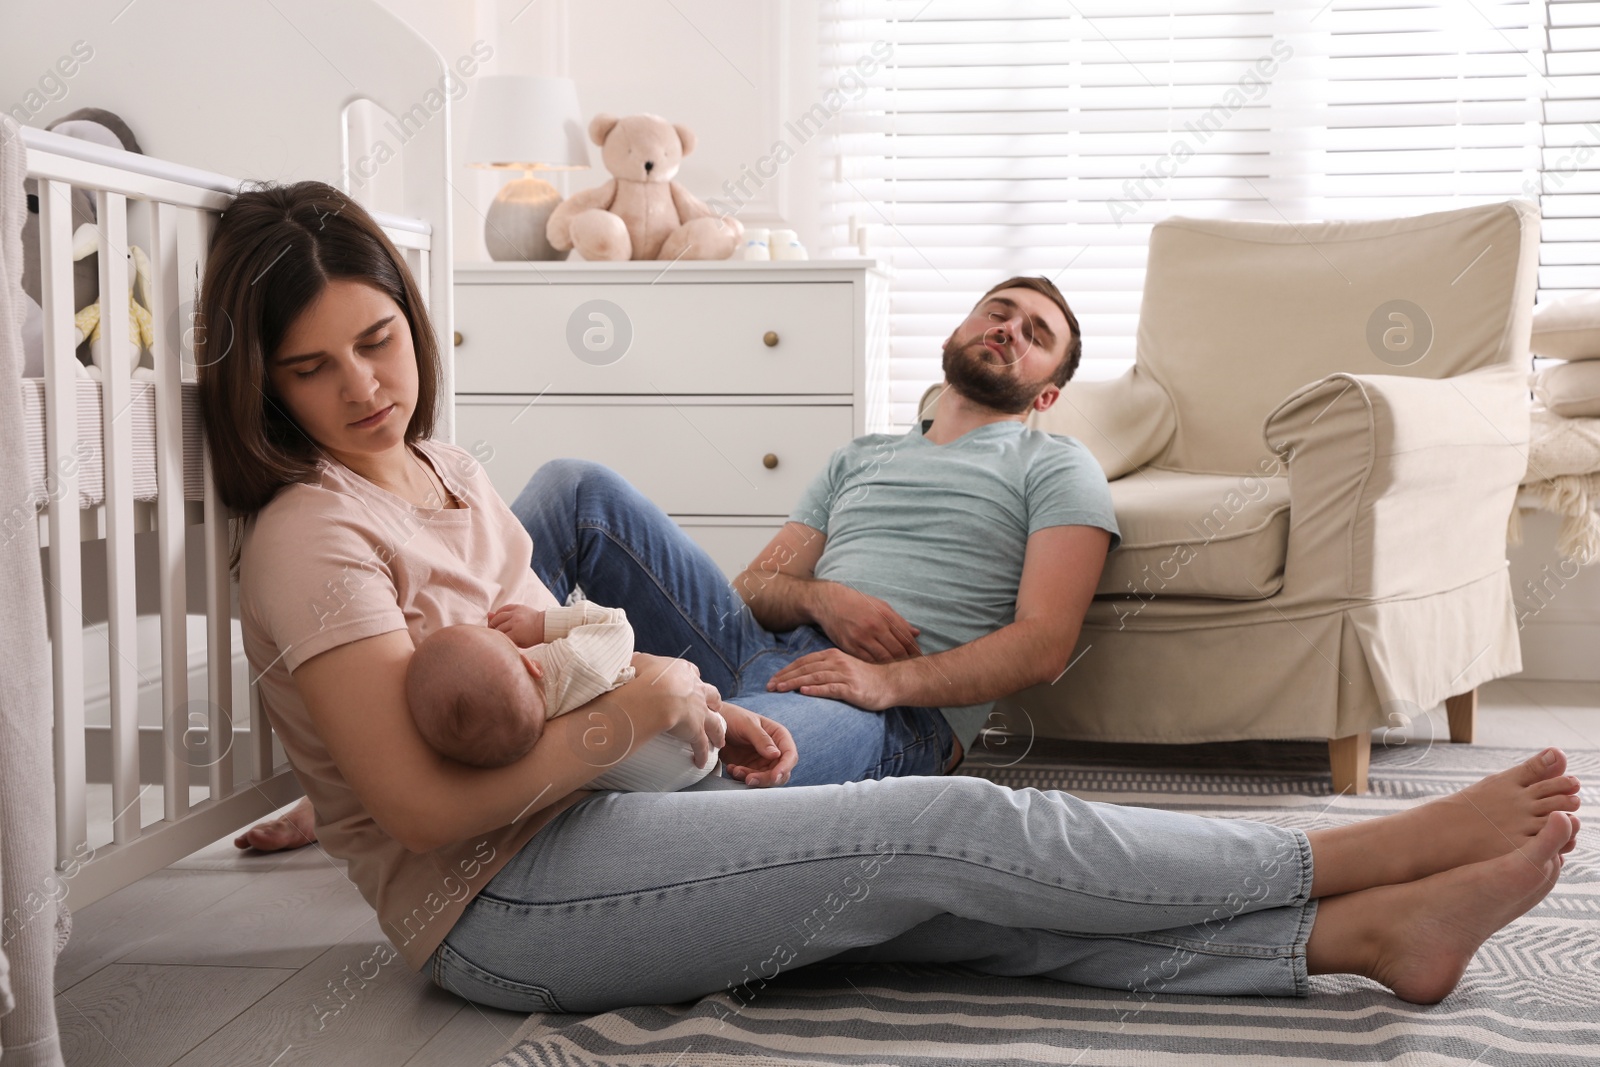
646, 898
650, 898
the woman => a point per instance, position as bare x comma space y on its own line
520, 888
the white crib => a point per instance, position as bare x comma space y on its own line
130, 526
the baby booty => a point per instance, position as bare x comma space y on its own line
755, 245
786, 245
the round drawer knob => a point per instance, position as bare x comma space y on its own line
458, 338
770, 338
769, 461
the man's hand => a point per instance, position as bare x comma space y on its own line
520, 623
863, 625
838, 676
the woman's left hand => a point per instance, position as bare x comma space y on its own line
758, 751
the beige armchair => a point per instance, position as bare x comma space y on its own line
1312, 461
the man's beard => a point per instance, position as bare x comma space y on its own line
970, 372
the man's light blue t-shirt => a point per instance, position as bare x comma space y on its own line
940, 531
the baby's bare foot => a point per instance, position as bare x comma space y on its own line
1489, 818
1419, 937
294, 828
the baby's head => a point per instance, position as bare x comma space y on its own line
473, 696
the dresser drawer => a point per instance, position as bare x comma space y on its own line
733, 548
689, 458
666, 338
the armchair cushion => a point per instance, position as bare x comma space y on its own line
1568, 327
1208, 535
1125, 422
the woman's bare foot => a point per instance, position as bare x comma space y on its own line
294, 828
1418, 938
1494, 815
1489, 818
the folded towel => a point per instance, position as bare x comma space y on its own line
28, 1031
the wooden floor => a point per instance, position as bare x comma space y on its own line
229, 958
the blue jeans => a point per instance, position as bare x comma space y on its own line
648, 898
651, 898
593, 529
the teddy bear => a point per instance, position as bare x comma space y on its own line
641, 213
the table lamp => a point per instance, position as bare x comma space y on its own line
526, 123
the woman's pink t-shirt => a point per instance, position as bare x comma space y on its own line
341, 560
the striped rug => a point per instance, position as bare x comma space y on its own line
1532, 995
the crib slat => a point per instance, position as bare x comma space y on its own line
219, 608
63, 572
166, 301
117, 391
219, 639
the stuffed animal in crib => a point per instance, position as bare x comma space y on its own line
641, 213
86, 323
141, 329
100, 127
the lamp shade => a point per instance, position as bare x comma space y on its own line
526, 123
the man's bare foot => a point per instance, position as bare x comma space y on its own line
294, 828
1418, 938
1489, 818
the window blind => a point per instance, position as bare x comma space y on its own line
1570, 150
1045, 137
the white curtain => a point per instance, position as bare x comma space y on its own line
28, 914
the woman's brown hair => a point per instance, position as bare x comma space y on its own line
272, 253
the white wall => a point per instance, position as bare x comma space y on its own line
1557, 605
734, 70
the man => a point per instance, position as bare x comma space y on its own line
921, 577
973, 533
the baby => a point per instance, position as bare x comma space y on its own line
482, 694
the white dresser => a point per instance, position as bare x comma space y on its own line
718, 389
